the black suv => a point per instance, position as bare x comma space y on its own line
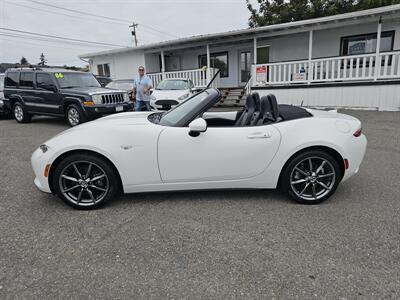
77, 96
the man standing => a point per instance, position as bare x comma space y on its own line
142, 88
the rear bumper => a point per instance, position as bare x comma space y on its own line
106, 109
355, 155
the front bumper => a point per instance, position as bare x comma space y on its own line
39, 160
106, 109
4, 106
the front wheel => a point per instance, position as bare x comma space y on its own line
74, 115
85, 181
311, 177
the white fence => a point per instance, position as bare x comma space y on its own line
342, 68
198, 76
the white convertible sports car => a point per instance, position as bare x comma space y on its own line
304, 152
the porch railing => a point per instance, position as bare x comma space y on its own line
198, 76
342, 68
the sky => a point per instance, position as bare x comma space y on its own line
157, 20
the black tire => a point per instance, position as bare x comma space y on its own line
74, 115
20, 113
318, 185
87, 194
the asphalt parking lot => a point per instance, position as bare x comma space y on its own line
226, 244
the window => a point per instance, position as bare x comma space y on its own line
218, 61
11, 79
366, 43
104, 70
43, 79
263, 55
26, 80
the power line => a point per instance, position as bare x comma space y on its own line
80, 12
120, 21
61, 14
61, 37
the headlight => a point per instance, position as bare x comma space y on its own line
97, 99
44, 148
126, 97
152, 97
183, 96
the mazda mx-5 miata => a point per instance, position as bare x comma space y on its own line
305, 152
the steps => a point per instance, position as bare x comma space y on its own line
232, 97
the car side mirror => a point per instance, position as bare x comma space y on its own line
197, 126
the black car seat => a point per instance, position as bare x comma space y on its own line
274, 107
257, 110
266, 116
247, 113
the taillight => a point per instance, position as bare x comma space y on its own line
357, 133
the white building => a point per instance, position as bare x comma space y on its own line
324, 62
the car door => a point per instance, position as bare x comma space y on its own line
50, 99
220, 153
26, 90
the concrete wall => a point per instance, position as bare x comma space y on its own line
383, 97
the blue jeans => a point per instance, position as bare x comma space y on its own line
139, 105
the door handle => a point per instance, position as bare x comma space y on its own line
259, 135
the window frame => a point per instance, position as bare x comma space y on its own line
22, 73
102, 67
216, 54
374, 34
16, 82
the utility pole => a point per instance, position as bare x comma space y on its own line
134, 25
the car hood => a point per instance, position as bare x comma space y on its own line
168, 94
90, 90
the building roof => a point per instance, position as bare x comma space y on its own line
250, 32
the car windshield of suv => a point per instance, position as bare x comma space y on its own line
172, 117
72, 80
172, 85
120, 85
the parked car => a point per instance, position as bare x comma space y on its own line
3, 106
103, 80
305, 152
171, 92
123, 84
77, 96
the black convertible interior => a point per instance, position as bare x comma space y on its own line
258, 111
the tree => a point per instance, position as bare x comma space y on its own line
281, 11
43, 60
23, 61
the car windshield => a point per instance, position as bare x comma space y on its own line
172, 117
71, 80
172, 85
120, 85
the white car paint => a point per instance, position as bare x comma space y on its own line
151, 157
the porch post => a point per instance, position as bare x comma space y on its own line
162, 64
378, 48
310, 47
255, 51
208, 64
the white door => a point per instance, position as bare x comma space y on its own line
220, 153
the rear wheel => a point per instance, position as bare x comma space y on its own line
74, 115
85, 181
20, 114
311, 177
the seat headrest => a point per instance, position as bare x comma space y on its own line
274, 105
257, 101
265, 105
250, 102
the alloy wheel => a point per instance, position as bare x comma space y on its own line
312, 178
18, 113
73, 116
84, 183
